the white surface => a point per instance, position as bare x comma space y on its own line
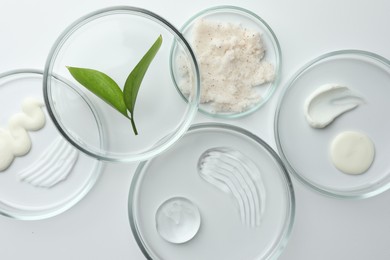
97, 228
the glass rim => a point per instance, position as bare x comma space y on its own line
48, 73
278, 66
318, 188
290, 215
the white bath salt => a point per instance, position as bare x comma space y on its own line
231, 61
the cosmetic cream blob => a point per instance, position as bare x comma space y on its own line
328, 102
15, 140
352, 152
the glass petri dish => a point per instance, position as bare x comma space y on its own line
227, 227
113, 40
249, 21
53, 176
306, 150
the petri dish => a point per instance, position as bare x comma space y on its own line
113, 40
306, 150
53, 176
248, 20
229, 226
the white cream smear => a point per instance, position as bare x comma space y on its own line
234, 173
328, 102
352, 152
15, 140
53, 166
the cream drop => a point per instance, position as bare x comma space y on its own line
15, 140
352, 152
328, 102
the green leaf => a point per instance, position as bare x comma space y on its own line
107, 89
135, 78
102, 86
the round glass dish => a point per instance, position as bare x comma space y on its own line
54, 175
235, 16
306, 150
113, 40
229, 228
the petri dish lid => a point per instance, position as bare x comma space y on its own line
113, 40
248, 20
53, 176
306, 150
253, 222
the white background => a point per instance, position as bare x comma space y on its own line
98, 228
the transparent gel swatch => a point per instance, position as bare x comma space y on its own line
177, 220
234, 173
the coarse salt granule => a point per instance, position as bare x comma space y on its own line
231, 63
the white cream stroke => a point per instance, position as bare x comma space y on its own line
233, 172
328, 102
15, 140
53, 166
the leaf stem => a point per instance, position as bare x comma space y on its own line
133, 125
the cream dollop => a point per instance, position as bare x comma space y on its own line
328, 102
352, 152
15, 140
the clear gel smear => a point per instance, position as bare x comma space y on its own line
235, 173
